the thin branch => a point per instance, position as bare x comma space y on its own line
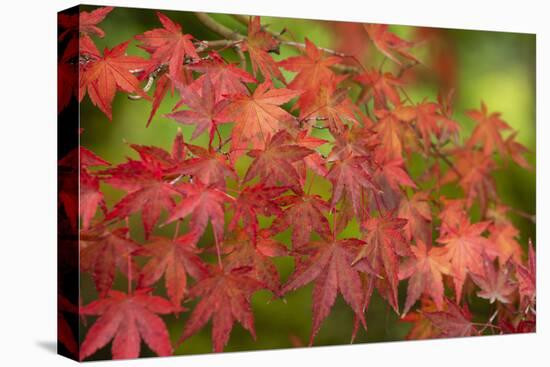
303, 46
218, 28
243, 19
242, 57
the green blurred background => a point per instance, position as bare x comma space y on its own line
496, 67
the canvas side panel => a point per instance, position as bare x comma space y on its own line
67, 183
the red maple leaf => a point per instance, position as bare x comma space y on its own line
102, 78
416, 210
453, 322
173, 258
102, 252
90, 198
242, 251
328, 103
258, 116
487, 131
85, 22
393, 172
304, 214
384, 244
209, 167
430, 122
204, 203
463, 248
425, 271
388, 43
254, 201
495, 284
147, 192
473, 169
330, 268
504, 237
224, 298
392, 128
167, 45
227, 78
258, 44
274, 163
313, 68
127, 319
527, 278
516, 151
350, 176
204, 110
383, 87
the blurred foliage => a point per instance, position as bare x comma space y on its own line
496, 67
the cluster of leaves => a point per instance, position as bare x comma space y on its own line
408, 231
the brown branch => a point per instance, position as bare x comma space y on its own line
218, 28
243, 19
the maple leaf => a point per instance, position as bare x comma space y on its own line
258, 44
242, 252
167, 45
90, 198
473, 171
274, 163
85, 22
102, 252
422, 327
392, 128
487, 131
228, 79
313, 68
425, 271
253, 201
431, 123
258, 116
329, 104
383, 87
209, 167
495, 284
416, 210
463, 248
388, 43
146, 192
109, 73
351, 175
353, 141
203, 110
305, 215
527, 275
330, 268
315, 161
452, 215
127, 319
225, 298
384, 243
504, 237
394, 173
453, 322
90, 195
173, 258
516, 151
205, 203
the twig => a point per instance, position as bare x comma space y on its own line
303, 46
218, 27
243, 19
